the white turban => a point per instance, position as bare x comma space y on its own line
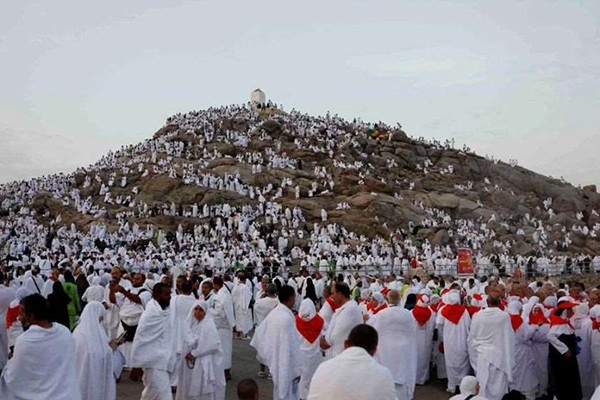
453, 297
468, 385
307, 310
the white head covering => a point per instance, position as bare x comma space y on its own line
550, 301
468, 385
595, 311
22, 292
90, 332
515, 307
453, 297
96, 281
581, 309
307, 310
378, 297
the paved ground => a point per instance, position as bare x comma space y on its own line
246, 366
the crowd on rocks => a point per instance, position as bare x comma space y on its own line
90, 252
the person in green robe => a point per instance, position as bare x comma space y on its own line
74, 305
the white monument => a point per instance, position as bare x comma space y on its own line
258, 97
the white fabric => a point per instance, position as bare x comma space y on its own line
44, 366
201, 340
540, 356
95, 292
311, 352
7, 295
94, 355
180, 306
583, 331
278, 347
241, 301
326, 312
344, 319
492, 344
222, 313
524, 372
352, 375
454, 337
468, 387
424, 349
397, 336
596, 395
156, 385
263, 307
154, 344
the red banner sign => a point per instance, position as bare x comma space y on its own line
465, 262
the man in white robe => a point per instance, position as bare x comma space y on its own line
397, 336
265, 305
34, 372
278, 346
7, 295
346, 317
524, 370
492, 349
242, 296
34, 282
453, 328
354, 374
181, 305
222, 313
262, 308
154, 346
131, 304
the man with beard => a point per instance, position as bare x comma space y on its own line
154, 346
34, 372
131, 305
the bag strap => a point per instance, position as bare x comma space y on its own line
36, 285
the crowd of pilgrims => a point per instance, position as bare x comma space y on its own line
315, 334
190, 143
109, 270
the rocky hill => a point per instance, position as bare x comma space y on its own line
371, 179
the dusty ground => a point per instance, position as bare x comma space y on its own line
246, 366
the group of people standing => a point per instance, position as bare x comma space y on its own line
348, 337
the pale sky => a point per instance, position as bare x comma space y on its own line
511, 79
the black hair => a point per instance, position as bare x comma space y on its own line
36, 305
343, 289
364, 336
285, 293
158, 288
247, 389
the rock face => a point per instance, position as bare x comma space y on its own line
392, 183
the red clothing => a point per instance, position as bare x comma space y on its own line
473, 310
12, 314
421, 314
453, 312
516, 321
310, 330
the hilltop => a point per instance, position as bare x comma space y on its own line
375, 182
